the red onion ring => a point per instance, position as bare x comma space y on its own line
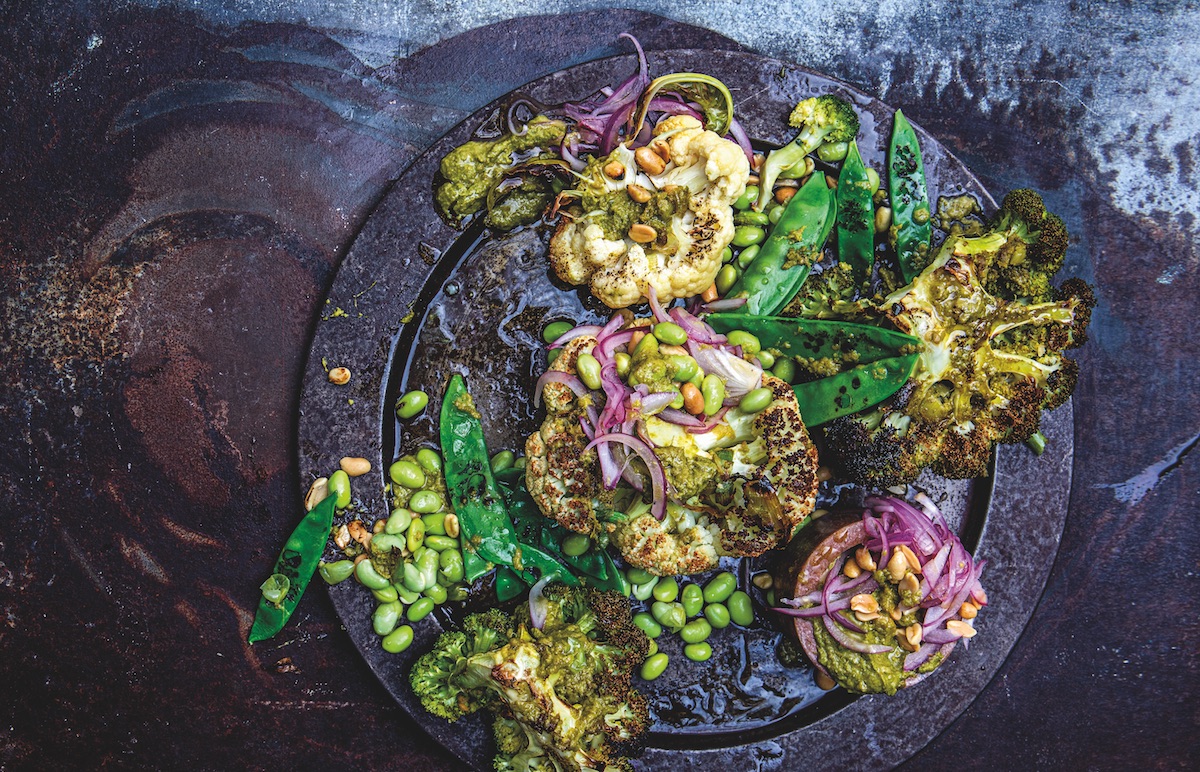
557, 376
658, 478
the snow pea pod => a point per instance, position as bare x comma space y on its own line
778, 271
853, 390
297, 563
880, 360
911, 229
855, 215
487, 531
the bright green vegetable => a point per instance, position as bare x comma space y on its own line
756, 401
339, 488
408, 474
420, 609
336, 572
556, 330
717, 615
385, 618
398, 521
667, 590
795, 245
696, 631
720, 587
911, 218
855, 215
654, 666
293, 570
425, 502
698, 652
692, 598
503, 460
647, 624
825, 118
741, 610
369, 577
411, 404
398, 640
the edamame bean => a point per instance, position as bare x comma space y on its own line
576, 544
414, 581
407, 473
450, 565
643, 591
339, 486
784, 369
726, 278
696, 631
369, 577
747, 255
756, 401
751, 218
653, 648
670, 333
646, 348
519, 463
692, 598
639, 575
713, 390
411, 404
386, 595
415, 535
441, 543
766, 359
428, 564
429, 460
588, 369
385, 617
669, 615
556, 330
667, 590
425, 502
420, 609
775, 213
741, 610
698, 652
647, 624
745, 235
748, 341
873, 179
720, 587
382, 542
726, 255
436, 593
654, 666
624, 362
717, 615
397, 640
831, 152
552, 355
684, 367
750, 195
398, 521
338, 571
504, 459
435, 523
275, 589
406, 596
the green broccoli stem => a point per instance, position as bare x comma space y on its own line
1037, 443
777, 160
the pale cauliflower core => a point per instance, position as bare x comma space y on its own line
620, 271
773, 465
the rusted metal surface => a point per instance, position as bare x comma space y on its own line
175, 194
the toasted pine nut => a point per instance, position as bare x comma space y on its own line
958, 627
864, 603
851, 569
342, 537
635, 340
757, 162
763, 581
649, 161
898, 565
710, 294
638, 193
914, 564
614, 169
359, 532
662, 148
339, 376
451, 525
316, 492
864, 559
969, 610
896, 614
642, 233
693, 400
379, 526
355, 466
910, 583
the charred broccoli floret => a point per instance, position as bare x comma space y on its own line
825, 118
834, 293
993, 358
561, 694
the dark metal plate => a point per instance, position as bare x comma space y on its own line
415, 301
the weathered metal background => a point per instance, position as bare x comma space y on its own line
178, 183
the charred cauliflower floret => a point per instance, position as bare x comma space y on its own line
739, 489
641, 217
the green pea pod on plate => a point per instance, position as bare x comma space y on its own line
796, 242
855, 215
294, 569
911, 229
874, 362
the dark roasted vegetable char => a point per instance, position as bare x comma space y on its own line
556, 676
911, 228
991, 363
293, 570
